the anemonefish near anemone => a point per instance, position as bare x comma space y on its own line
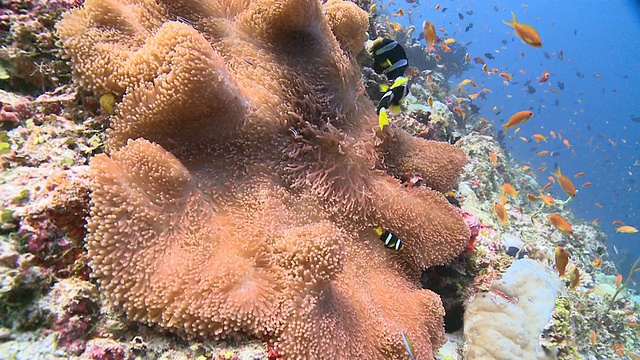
391, 240
391, 99
389, 58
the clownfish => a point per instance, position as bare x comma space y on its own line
389, 58
391, 240
391, 99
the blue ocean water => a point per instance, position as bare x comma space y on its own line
600, 74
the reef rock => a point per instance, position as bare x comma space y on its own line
505, 322
245, 171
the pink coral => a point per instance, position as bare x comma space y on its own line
245, 174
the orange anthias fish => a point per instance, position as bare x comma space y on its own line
561, 224
596, 263
508, 189
547, 199
562, 259
626, 229
618, 280
494, 158
460, 112
525, 32
593, 337
517, 119
464, 83
544, 77
565, 183
445, 48
506, 75
539, 137
501, 212
429, 34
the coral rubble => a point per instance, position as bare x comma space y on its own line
245, 172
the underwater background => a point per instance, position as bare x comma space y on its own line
586, 122
590, 97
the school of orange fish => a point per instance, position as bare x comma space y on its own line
529, 35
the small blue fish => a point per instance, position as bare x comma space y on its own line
408, 344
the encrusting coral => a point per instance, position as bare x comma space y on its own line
245, 172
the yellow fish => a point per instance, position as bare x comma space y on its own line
383, 119
525, 32
107, 102
626, 229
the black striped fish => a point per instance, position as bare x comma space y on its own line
391, 240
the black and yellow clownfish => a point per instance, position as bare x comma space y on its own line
391, 240
389, 58
391, 99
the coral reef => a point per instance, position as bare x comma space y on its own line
28, 55
507, 321
558, 334
246, 172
